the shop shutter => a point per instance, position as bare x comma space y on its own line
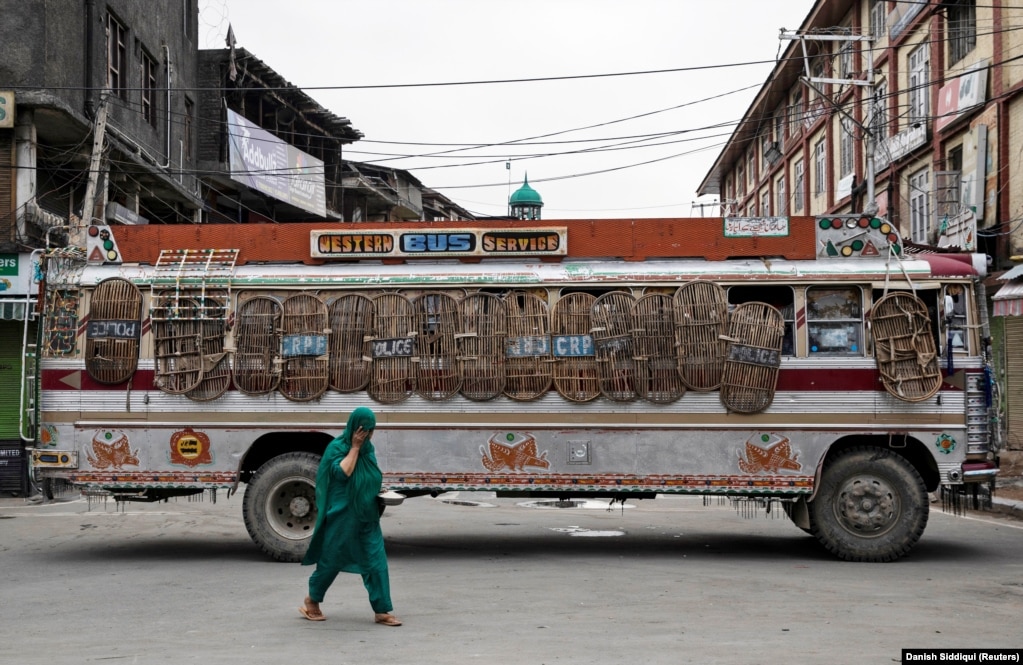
8, 224
11, 358
1014, 381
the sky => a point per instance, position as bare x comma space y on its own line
612, 108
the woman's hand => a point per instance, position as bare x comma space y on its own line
359, 438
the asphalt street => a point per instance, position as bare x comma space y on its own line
478, 579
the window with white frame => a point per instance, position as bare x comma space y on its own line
796, 113
751, 168
962, 28
765, 203
148, 88
117, 56
879, 121
846, 147
797, 186
845, 60
740, 180
878, 18
919, 78
782, 207
820, 167
919, 205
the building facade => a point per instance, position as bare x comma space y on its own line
904, 110
127, 67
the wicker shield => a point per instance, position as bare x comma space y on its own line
657, 376
437, 377
904, 347
216, 373
114, 330
177, 343
612, 340
393, 348
304, 348
755, 334
481, 346
351, 321
527, 347
575, 372
701, 318
256, 369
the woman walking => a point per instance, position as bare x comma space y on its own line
347, 537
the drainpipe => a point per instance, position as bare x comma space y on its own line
90, 43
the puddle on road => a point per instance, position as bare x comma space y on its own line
586, 533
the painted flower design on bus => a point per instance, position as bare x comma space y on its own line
516, 454
110, 448
772, 456
945, 444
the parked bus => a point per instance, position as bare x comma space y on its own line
807, 364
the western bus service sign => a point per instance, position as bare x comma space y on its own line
404, 243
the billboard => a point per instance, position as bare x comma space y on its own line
267, 164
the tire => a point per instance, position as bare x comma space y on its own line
279, 506
871, 505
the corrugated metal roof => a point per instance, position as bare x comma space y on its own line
1013, 274
1009, 291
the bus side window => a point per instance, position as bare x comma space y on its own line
954, 322
834, 320
779, 297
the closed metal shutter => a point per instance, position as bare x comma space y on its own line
11, 359
1014, 381
8, 223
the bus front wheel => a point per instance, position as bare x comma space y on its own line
871, 505
279, 506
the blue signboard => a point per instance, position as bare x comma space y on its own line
304, 345
528, 346
573, 346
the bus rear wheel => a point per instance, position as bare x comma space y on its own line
871, 505
279, 506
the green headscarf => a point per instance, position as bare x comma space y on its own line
365, 481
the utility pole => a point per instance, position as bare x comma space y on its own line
701, 206
77, 238
868, 83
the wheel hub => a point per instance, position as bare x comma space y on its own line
300, 506
867, 505
290, 508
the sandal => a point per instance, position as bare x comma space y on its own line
313, 614
387, 619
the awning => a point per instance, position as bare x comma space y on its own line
1009, 299
1013, 273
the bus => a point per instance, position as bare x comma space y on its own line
811, 364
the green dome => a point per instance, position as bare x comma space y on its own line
526, 195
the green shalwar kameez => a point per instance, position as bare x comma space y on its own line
347, 536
